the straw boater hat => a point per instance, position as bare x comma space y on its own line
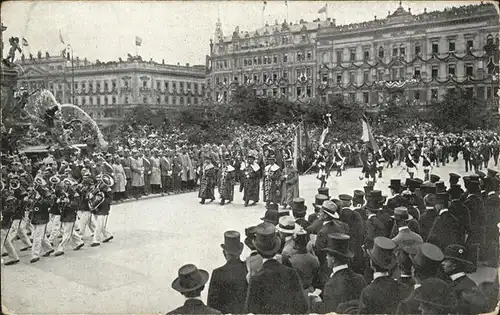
330, 208
287, 225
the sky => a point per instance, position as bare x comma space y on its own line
176, 31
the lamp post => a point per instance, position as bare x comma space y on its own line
72, 75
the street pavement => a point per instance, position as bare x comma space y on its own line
152, 239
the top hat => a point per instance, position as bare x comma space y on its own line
232, 242
395, 184
286, 225
298, 205
454, 177
412, 184
440, 187
434, 178
324, 191
442, 199
272, 206
481, 174
427, 257
473, 186
338, 244
271, 216
382, 253
190, 278
266, 240
345, 197
250, 236
330, 208
492, 172
283, 213
401, 213
436, 292
455, 191
428, 188
318, 200
358, 196
457, 253
367, 190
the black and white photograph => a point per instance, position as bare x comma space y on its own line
250, 157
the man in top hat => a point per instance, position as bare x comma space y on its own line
355, 223
374, 227
431, 213
287, 229
474, 202
275, 288
299, 212
455, 264
190, 283
254, 260
289, 183
426, 260
491, 207
343, 284
454, 178
396, 189
228, 284
318, 202
383, 294
271, 215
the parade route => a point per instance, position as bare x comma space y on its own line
152, 239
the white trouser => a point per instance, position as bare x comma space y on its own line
40, 242
27, 224
54, 226
84, 220
69, 234
7, 244
100, 232
17, 229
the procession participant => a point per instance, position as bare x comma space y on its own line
166, 171
251, 180
126, 162
119, 178
338, 160
100, 216
369, 169
289, 184
190, 283
39, 220
55, 227
84, 215
254, 261
355, 223
145, 155
467, 156
299, 210
228, 284
343, 284
321, 162
155, 179
207, 182
411, 162
9, 205
137, 168
426, 261
24, 205
275, 288
319, 199
383, 294
271, 181
68, 207
226, 181
426, 163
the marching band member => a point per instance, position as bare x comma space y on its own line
369, 169
40, 218
320, 162
101, 212
9, 205
55, 230
83, 213
227, 178
338, 160
410, 161
426, 163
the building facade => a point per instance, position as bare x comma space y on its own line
415, 58
107, 90
277, 60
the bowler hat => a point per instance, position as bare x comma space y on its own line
436, 292
345, 197
401, 213
330, 208
324, 191
232, 242
190, 278
250, 236
457, 253
395, 184
382, 253
298, 205
434, 178
440, 187
338, 244
271, 216
427, 256
266, 240
318, 200
286, 225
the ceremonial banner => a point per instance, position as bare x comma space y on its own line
367, 135
138, 41
60, 38
323, 9
296, 145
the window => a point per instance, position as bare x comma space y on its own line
181, 99
451, 45
339, 77
299, 91
480, 92
380, 75
245, 62
435, 47
434, 94
285, 58
418, 49
394, 74
416, 72
145, 100
113, 99
195, 87
381, 52
394, 51
352, 77
339, 56
264, 77
309, 55
402, 50
181, 84
366, 97
470, 44
308, 91
144, 84
98, 101
83, 100
451, 70
91, 100
275, 76
435, 72
324, 78
299, 72
225, 64
195, 101
188, 100
105, 100
352, 55
158, 99
366, 54
174, 84
285, 74
416, 95
158, 85
283, 91
352, 97
166, 85
275, 59
265, 60
469, 69
308, 72
366, 76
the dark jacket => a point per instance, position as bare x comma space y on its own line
373, 227
41, 208
306, 265
192, 306
275, 289
382, 296
470, 299
105, 206
228, 287
426, 221
343, 286
409, 305
447, 230
354, 221
475, 204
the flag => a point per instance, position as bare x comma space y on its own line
264, 6
322, 10
61, 38
25, 42
138, 41
367, 135
296, 145
323, 135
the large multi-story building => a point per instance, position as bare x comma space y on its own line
277, 60
403, 56
107, 90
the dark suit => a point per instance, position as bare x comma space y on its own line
343, 286
412, 224
228, 287
475, 303
407, 237
409, 305
382, 296
307, 267
302, 222
353, 219
475, 204
426, 221
275, 289
193, 306
492, 208
447, 230
374, 228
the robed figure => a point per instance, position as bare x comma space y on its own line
207, 182
226, 183
289, 184
271, 185
251, 180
